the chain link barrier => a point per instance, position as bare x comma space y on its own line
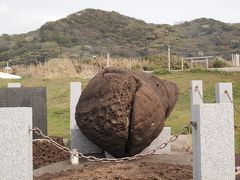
92, 158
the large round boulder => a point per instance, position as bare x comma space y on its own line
123, 111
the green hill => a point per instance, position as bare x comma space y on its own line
96, 32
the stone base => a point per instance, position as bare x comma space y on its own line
80, 142
108, 155
163, 137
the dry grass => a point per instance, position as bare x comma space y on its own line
68, 68
62, 67
51, 69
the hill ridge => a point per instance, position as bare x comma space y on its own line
96, 32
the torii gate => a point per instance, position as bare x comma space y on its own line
202, 59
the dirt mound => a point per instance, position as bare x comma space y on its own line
45, 153
122, 111
174, 166
138, 170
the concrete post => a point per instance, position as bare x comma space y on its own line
75, 93
16, 143
213, 137
77, 139
196, 92
237, 60
223, 92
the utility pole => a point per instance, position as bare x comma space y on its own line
169, 57
108, 60
182, 64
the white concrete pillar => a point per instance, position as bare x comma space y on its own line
77, 139
16, 161
234, 59
196, 92
237, 60
213, 138
207, 62
223, 92
75, 93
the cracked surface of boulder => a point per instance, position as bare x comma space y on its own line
123, 111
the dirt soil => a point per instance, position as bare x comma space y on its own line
45, 153
175, 166
150, 167
132, 170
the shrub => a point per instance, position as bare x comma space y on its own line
219, 63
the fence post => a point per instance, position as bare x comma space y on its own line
223, 92
77, 139
16, 143
213, 137
196, 92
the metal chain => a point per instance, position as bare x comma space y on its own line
237, 169
197, 89
237, 127
186, 91
92, 158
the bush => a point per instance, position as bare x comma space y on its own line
219, 64
149, 67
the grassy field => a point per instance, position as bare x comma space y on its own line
58, 97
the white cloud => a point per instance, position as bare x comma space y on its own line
4, 9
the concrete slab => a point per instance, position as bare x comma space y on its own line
16, 143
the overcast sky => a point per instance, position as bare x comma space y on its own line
20, 16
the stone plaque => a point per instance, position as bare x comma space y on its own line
34, 97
